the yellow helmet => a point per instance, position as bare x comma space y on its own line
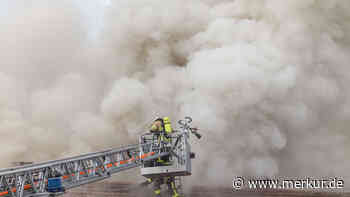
166, 120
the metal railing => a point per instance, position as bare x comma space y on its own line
31, 180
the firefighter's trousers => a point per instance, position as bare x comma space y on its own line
170, 181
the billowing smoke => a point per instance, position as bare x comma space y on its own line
265, 80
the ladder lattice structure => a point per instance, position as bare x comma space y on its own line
31, 180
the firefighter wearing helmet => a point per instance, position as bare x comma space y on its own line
161, 127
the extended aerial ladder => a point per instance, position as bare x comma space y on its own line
34, 179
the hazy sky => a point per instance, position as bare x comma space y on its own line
267, 81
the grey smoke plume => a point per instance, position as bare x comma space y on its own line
265, 80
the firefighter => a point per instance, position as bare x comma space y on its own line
161, 127
157, 126
167, 125
170, 181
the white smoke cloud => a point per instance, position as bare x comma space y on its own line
265, 80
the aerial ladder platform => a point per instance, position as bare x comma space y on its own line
54, 178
